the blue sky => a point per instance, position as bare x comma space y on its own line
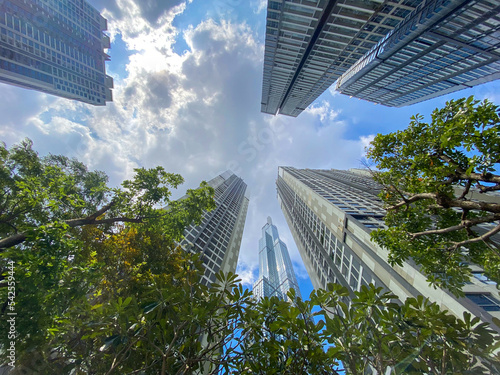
188, 79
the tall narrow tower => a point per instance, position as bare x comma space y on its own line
276, 276
218, 237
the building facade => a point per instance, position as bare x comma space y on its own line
331, 214
441, 47
57, 47
309, 44
415, 50
276, 275
218, 237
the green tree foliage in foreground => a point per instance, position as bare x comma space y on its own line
440, 181
115, 295
56, 218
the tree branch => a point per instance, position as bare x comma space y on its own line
13, 215
10, 225
464, 215
484, 237
480, 177
86, 221
437, 231
464, 224
10, 241
90, 220
98, 213
414, 198
446, 202
460, 172
124, 350
485, 189
466, 190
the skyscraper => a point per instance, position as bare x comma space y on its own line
441, 47
391, 52
331, 213
218, 237
276, 276
56, 47
309, 44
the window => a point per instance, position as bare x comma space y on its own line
483, 278
484, 300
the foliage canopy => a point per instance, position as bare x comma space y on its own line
102, 288
65, 232
440, 187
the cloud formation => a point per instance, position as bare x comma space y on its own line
148, 10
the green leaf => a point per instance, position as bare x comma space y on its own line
109, 341
149, 308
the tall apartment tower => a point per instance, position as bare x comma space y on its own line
276, 275
56, 47
441, 47
218, 237
309, 44
391, 52
331, 213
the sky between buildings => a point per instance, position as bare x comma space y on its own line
188, 80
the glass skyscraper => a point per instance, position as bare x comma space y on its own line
276, 276
55, 46
441, 47
309, 44
331, 214
391, 52
218, 237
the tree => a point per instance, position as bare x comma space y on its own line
282, 338
41, 192
177, 326
374, 334
116, 295
47, 207
414, 337
439, 186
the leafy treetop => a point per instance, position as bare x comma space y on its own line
39, 192
440, 182
70, 236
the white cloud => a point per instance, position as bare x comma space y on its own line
149, 12
332, 91
315, 140
248, 273
259, 5
365, 141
